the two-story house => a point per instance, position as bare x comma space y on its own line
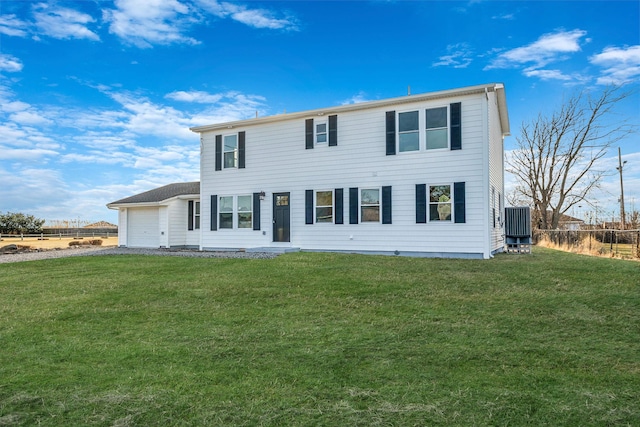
419, 175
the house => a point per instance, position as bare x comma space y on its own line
164, 217
418, 175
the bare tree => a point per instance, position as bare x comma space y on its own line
556, 155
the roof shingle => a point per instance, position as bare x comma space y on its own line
162, 193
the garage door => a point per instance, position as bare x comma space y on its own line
143, 230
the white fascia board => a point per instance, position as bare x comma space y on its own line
152, 204
182, 197
360, 106
134, 205
502, 109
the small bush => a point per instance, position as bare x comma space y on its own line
94, 242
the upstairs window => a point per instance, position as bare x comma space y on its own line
437, 128
321, 133
408, 131
440, 203
370, 205
231, 151
428, 129
324, 206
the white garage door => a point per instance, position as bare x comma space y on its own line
143, 230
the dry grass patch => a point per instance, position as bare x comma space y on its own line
55, 242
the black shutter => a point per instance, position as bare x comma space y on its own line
308, 130
391, 133
333, 131
190, 215
308, 207
353, 206
214, 213
218, 152
241, 140
338, 194
256, 211
456, 125
459, 202
386, 205
421, 203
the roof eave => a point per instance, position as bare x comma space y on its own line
164, 202
498, 87
502, 109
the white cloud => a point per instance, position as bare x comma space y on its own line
29, 118
145, 23
505, 16
63, 23
88, 153
620, 65
10, 63
547, 49
25, 154
547, 74
146, 118
12, 26
196, 96
257, 18
13, 106
355, 99
458, 56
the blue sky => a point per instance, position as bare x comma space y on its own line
97, 97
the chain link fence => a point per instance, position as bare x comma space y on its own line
599, 242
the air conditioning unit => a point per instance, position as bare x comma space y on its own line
517, 226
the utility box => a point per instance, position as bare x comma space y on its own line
517, 228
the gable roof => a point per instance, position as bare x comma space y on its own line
161, 194
498, 88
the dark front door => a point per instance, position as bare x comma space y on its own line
281, 218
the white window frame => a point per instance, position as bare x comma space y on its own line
225, 151
422, 129
447, 128
361, 205
235, 212
317, 134
319, 206
196, 215
239, 212
412, 131
431, 203
226, 212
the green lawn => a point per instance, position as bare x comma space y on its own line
551, 338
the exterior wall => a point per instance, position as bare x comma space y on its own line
496, 177
163, 218
122, 227
177, 226
180, 235
277, 161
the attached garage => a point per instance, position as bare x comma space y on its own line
143, 228
165, 217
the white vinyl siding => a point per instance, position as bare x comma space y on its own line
496, 174
280, 163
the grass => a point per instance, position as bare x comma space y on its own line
306, 339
